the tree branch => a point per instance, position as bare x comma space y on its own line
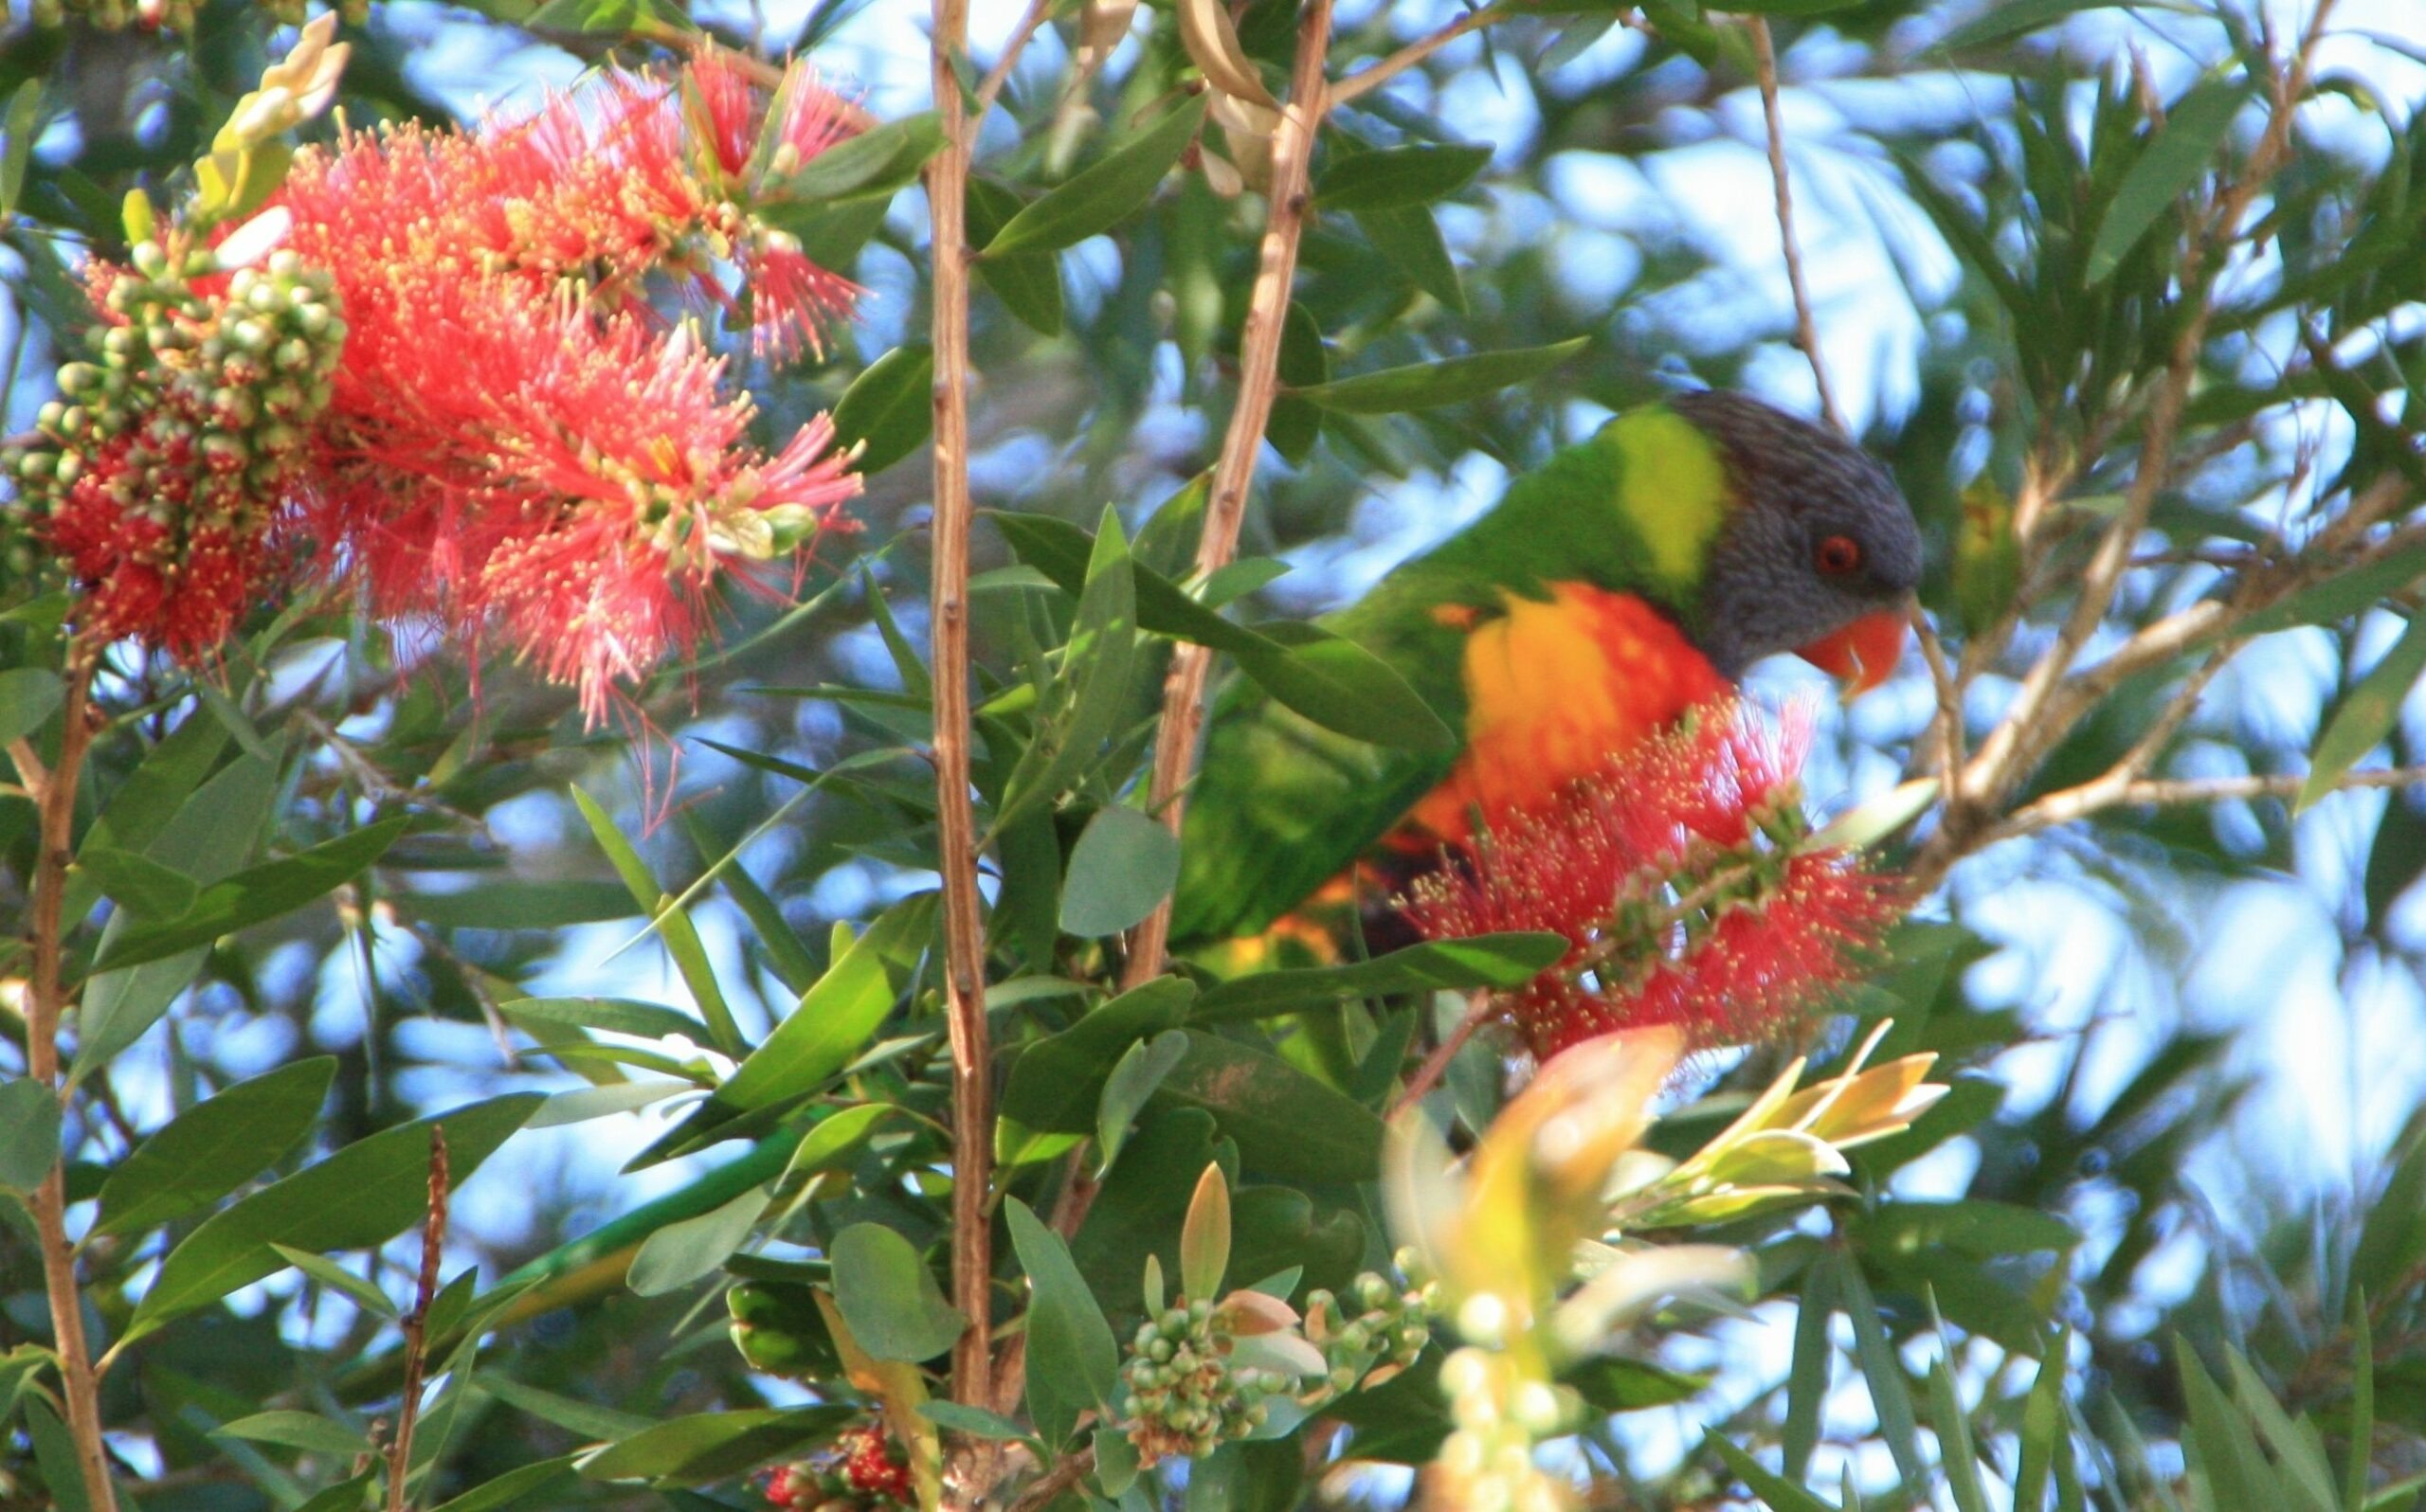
2160, 792
433, 1239
54, 792
990, 87
1293, 147
972, 1092
1358, 84
1806, 330
2047, 705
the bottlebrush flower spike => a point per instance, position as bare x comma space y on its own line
160, 472
518, 446
1683, 876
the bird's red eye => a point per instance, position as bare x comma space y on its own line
1837, 555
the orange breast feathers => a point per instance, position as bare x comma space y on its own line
1553, 688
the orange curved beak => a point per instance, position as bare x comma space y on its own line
1864, 653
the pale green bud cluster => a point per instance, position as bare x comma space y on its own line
1201, 1374
1368, 1334
1487, 1463
1183, 1397
190, 400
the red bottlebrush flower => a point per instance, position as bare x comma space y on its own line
500, 436
517, 447
869, 1468
162, 468
1683, 876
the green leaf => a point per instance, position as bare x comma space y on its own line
1124, 864
2169, 164
1333, 682
1884, 1371
24, 118
889, 1297
1961, 1461
2012, 18
1451, 380
1204, 1238
1359, 695
55, 1453
1285, 1122
364, 1195
215, 1147
882, 159
671, 923
889, 410
621, 1015
1609, 1383
2339, 598
28, 1133
29, 696
679, 1253
1867, 823
1808, 1375
836, 1017
1397, 177
1098, 198
309, 1432
837, 1138
1980, 1229
1056, 1082
139, 884
1408, 242
974, 1421
1130, 1085
1498, 960
257, 895
1029, 283
329, 1274
710, 1445
1100, 664
204, 829
497, 903
1790, 7
1781, 1494
2367, 715
515, 1489
1073, 1364
1294, 425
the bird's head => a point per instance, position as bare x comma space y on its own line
1815, 552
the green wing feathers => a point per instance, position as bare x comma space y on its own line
1280, 807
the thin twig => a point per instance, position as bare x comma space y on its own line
2166, 792
990, 87
1065, 1473
2047, 706
1293, 147
1363, 82
1806, 330
1479, 1009
1949, 720
972, 1092
46, 1002
433, 1239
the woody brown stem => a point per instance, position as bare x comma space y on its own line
54, 793
1293, 147
973, 1093
1806, 327
1479, 1009
433, 1238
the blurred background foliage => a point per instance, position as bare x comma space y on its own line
2190, 1034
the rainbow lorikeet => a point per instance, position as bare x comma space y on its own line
1630, 578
